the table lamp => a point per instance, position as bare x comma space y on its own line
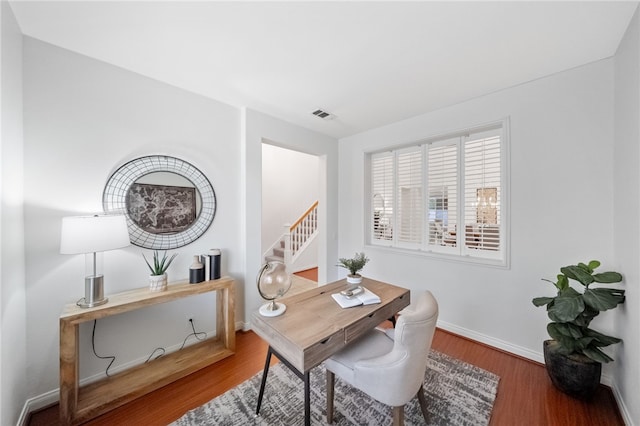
91, 235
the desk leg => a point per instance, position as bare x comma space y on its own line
305, 377
307, 399
264, 380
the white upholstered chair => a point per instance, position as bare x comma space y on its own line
389, 366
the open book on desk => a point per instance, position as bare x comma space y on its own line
365, 298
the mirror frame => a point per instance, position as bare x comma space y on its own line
117, 186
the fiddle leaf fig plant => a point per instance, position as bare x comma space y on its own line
572, 311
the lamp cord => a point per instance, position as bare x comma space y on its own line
195, 333
93, 346
154, 351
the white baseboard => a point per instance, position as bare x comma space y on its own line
506, 346
53, 396
624, 411
300, 268
492, 341
37, 403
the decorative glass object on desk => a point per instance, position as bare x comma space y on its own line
273, 281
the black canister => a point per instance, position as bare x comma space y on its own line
216, 256
196, 271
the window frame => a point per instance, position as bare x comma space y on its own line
461, 252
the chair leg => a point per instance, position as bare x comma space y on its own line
423, 404
398, 416
331, 378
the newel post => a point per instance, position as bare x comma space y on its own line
287, 244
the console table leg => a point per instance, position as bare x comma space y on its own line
69, 338
264, 380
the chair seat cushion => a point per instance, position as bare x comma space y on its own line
371, 345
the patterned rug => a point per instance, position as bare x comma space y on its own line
457, 394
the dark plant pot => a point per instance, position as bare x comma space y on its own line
576, 375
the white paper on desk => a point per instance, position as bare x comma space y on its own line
366, 298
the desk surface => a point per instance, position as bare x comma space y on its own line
314, 326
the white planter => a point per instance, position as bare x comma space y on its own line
354, 279
158, 282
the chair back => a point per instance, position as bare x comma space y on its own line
413, 336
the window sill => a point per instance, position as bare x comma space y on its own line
455, 258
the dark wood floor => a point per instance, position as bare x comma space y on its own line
525, 393
311, 274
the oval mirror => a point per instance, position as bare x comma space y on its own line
168, 202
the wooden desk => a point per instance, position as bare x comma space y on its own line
79, 404
314, 327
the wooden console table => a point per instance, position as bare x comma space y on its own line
79, 404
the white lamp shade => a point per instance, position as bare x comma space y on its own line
90, 234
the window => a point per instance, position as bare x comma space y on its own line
442, 196
382, 196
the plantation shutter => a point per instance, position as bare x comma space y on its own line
409, 192
443, 196
482, 194
442, 178
382, 198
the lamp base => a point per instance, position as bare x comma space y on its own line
93, 292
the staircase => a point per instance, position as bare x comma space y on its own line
277, 253
295, 238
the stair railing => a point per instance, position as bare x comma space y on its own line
297, 235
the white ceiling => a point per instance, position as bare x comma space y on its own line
369, 63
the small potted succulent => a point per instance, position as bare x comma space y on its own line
354, 265
158, 278
573, 357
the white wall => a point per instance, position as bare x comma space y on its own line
83, 119
289, 188
561, 204
13, 389
626, 188
259, 128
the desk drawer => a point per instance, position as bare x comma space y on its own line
375, 318
320, 351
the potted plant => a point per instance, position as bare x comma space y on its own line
158, 277
354, 265
573, 357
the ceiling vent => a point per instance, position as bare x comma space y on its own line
323, 114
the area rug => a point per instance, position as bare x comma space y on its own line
457, 393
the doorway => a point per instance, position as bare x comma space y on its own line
290, 186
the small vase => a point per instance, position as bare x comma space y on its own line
196, 271
158, 282
354, 279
